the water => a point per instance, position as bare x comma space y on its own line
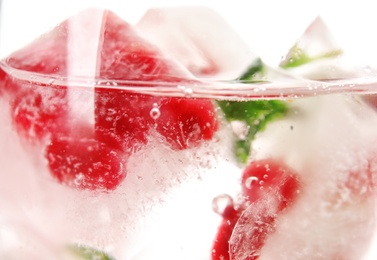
166, 198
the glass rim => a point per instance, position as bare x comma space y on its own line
287, 88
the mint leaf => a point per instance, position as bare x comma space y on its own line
254, 114
299, 57
255, 67
88, 253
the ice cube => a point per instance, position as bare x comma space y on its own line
199, 38
330, 142
316, 55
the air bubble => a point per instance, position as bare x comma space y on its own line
155, 112
221, 203
240, 128
188, 92
249, 181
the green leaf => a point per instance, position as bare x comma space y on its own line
254, 114
88, 253
255, 67
299, 57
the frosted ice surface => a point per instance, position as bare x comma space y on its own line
199, 38
149, 210
178, 185
330, 141
325, 56
316, 40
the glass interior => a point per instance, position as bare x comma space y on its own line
157, 132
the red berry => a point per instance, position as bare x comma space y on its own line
3, 84
186, 122
38, 111
123, 116
220, 249
124, 120
268, 187
255, 224
270, 177
80, 161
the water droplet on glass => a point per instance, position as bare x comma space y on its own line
249, 181
221, 202
265, 176
155, 112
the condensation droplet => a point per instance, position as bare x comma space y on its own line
221, 202
261, 183
155, 112
249, 181
265, 176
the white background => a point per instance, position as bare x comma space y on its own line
269, 26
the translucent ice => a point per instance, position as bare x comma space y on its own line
316, 55
330, 143
199, 38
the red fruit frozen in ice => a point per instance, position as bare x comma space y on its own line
99, 46
220, 249
37, 111
123, 116
3, 77
181, 122
269, 187
80, 161
268, 176
199, 38
253, 227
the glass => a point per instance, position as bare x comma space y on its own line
169, 137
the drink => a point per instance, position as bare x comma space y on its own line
120, 150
